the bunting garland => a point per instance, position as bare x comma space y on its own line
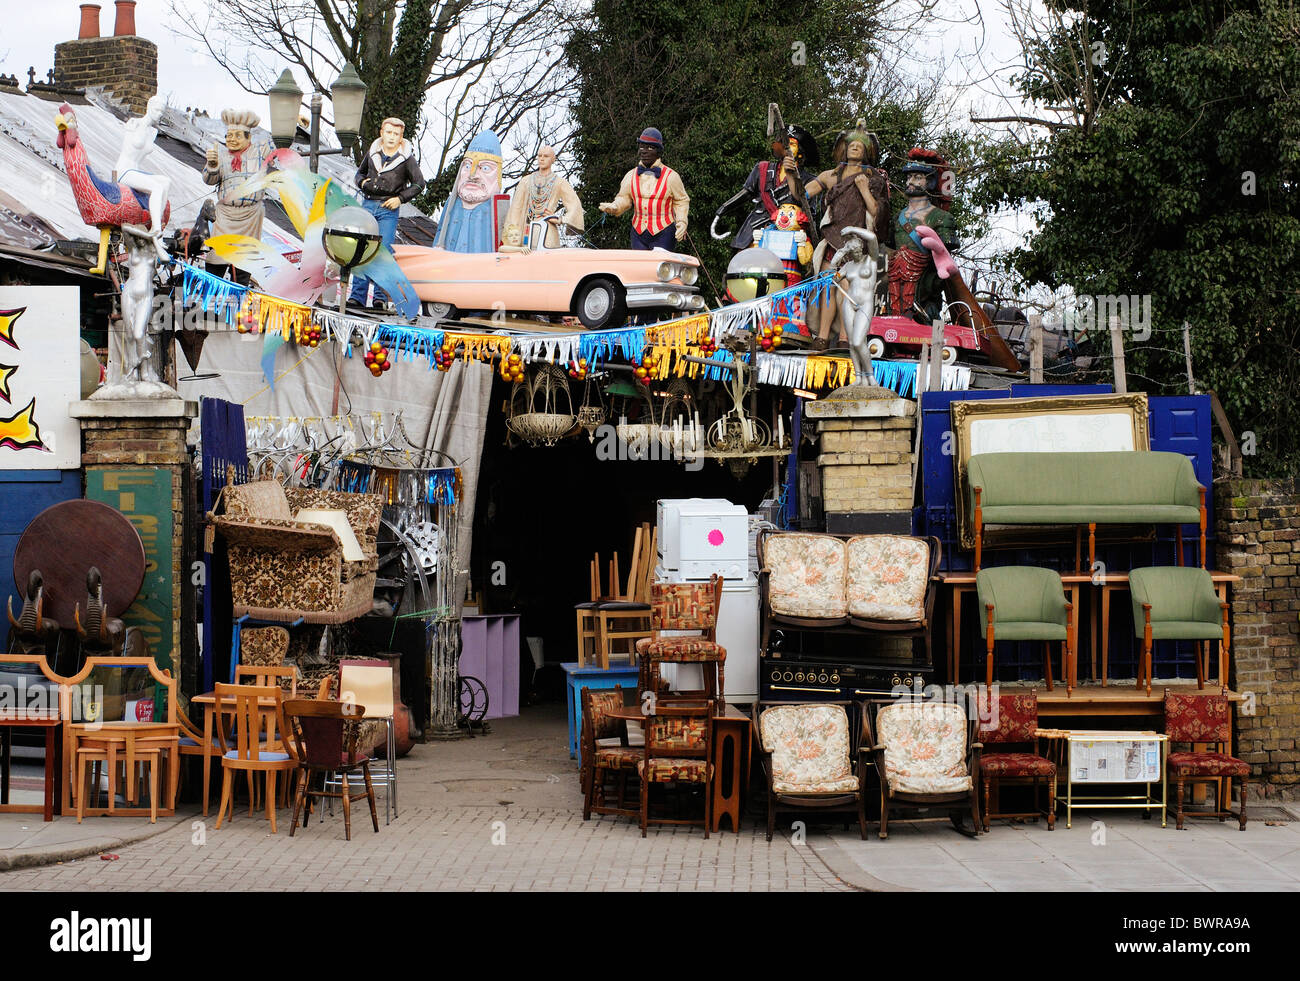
212, 294
282, 320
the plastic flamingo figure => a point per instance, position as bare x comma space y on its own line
104, 204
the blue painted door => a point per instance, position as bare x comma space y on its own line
23, 495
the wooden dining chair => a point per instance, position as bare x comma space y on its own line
249, 754
286, 678
325, 739
626, 620
106, 751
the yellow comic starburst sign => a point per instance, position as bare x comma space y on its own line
21, 432
8, 318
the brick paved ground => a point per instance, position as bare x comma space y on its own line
516, 783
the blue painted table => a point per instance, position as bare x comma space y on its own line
577, 678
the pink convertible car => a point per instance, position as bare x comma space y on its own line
599, 286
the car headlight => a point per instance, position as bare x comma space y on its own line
690, 274
667, 271
674, 299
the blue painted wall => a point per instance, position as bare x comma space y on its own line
23, 495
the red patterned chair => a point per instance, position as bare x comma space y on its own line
1013, 721
678, 750
926, 756
809, 756
599, 762
1204, 719
684, 606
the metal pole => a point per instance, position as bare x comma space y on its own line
1035, 350
1117, 349
314, 149
1187, 352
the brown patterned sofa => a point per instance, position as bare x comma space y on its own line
282, 569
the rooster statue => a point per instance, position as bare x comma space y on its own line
104, 204
126, 205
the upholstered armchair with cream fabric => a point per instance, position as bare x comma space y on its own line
809, 758
926, 756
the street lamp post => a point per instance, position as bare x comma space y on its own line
348, 93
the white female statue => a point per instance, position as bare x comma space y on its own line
130, 170
856, 265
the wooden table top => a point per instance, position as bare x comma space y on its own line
633, 713
65, 540
209, 698
1070, 578
19, 719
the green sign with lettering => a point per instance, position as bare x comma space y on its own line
144, 495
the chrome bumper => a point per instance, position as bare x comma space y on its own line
674, 297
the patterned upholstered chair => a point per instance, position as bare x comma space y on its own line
1204, 719
891, 584
803, 579
926, 756
1011, 720
678, 750
1172, 603
1026, 603
283, 569
809, 756
599, 759
680, 607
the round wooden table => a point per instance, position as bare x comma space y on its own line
64, 541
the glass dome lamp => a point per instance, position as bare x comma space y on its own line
754, 273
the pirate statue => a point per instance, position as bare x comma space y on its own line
767, 190
655, 194
914, 287
855, 195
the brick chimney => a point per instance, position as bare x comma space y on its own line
124, 64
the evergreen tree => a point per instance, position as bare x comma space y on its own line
1172, 172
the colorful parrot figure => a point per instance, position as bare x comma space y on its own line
308, 199
104, 204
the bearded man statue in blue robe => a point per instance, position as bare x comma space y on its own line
467, 220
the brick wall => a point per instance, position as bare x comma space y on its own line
866, 463
126, 66
117, 442
1259, 540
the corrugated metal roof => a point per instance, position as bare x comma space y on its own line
37, 196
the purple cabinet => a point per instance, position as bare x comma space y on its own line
490, 652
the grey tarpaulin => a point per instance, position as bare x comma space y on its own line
446, 411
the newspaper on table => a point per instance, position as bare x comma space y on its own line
1135, 760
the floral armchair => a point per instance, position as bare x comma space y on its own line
926, 756
282, 569
809, 757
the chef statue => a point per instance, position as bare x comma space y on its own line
230, 167
656, 196
467, 224
538, 195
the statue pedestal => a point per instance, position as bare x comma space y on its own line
135, 458
866, 459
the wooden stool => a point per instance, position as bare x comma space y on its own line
107, 753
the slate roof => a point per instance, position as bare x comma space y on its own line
37, 208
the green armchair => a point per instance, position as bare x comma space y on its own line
1026, 603
1177, 603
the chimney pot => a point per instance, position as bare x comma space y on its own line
89, 21
125, 23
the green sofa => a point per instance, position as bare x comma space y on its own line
1135, 487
